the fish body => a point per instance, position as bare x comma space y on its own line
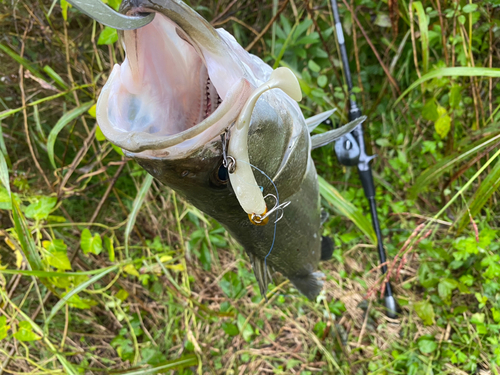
182, 85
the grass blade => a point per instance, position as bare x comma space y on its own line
424, 33
345, 208
451, 72
488, 187
77, 290
33, 69
3, 149
135, 209
63, 121
444, 165
52, 274
4, 170
176, 364
56, 77
24, 235
10, 112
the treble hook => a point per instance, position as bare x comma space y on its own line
277, 208
102, 13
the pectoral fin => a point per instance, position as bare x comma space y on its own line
319, 140
314, 121
326, 248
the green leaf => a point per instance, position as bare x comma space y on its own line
246, 330
58, 256
231, 284
446, 287
25, 332
41, 209
131, 270
3, 327
430, 111
443, 123
451, 72
108, 36
115, 4
92, 112
477, 318
230, 329
469, 8
425, 312
117, 149
122, 295
64, 8
313, 66
99, 135
345, 208
496, 314
63, 121
427, 345
322, 81
89, 243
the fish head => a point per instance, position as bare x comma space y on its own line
183, 84
179, 86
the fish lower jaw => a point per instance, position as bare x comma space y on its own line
180, 144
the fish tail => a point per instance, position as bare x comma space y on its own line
309, 285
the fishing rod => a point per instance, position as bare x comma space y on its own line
350, 150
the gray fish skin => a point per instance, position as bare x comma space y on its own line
278, 143
296, 252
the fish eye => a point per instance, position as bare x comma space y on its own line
220, 177
223, 174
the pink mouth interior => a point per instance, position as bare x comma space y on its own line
163, 86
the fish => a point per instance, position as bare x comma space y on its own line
223, 129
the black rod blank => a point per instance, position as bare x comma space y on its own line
346, 156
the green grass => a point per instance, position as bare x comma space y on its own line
106, 271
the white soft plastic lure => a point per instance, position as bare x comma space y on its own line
242, 179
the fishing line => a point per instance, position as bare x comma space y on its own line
277, 204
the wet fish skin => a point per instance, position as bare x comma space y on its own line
297, 247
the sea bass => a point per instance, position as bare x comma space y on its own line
220, 127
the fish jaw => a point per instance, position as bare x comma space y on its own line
175, 91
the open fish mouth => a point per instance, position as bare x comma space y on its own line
171, 90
